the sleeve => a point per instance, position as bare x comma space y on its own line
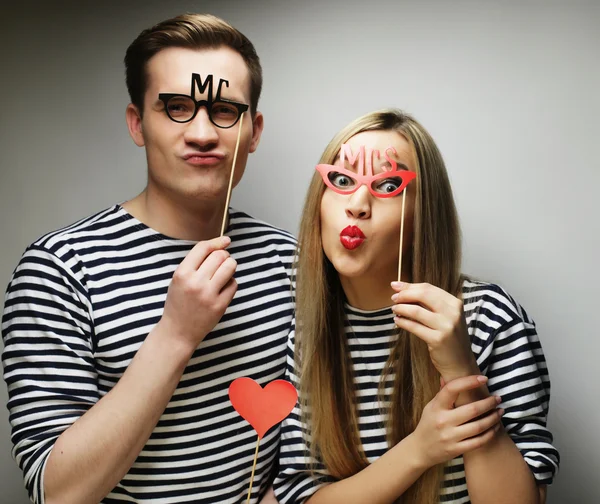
47, 358
513, 360
296, 481
288, 254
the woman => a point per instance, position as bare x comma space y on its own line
393, 402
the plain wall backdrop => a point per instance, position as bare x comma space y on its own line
509, 90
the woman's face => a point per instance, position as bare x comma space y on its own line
372, 249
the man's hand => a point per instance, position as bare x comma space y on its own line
200, 291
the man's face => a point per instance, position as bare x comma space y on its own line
192, 161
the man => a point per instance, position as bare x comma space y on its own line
123, 332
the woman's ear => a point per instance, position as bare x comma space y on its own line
134, 124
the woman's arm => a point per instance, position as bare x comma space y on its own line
497, 472
382, 482
443, 433
269, 497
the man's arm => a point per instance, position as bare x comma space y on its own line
93, 455
99, 442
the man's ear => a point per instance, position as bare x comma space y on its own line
257, 129
134, 124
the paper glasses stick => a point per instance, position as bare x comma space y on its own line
401, 236
237, 145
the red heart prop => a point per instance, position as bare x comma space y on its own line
262, 407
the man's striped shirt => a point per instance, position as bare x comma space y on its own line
508, 352
79, 306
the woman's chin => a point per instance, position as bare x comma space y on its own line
351, 268
365, 272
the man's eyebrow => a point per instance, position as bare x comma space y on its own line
232, 96
157, 104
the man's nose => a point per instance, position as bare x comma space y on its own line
200, 130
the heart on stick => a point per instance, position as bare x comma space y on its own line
262, 407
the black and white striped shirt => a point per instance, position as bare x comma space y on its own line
508, 351
78, 307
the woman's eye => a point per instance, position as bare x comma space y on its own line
388, 185
340, 180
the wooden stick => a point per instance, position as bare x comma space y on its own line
401, 236
237, 145
253, 468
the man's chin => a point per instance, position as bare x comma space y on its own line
208, 187
203, 197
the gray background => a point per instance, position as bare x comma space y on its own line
508, 90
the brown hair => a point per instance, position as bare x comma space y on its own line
326, 378
191, 31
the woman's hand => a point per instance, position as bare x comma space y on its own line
445, 432
269, 497
438, 319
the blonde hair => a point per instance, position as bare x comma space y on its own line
190, 31
326, 378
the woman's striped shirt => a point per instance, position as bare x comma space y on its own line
508, 352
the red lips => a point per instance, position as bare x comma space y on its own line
352, 237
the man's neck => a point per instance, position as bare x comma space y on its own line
196, 222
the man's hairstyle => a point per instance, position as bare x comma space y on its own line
189, 31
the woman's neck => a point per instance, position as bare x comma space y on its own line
372, 291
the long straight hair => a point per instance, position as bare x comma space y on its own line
327, 388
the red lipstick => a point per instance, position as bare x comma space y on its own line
351, 237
